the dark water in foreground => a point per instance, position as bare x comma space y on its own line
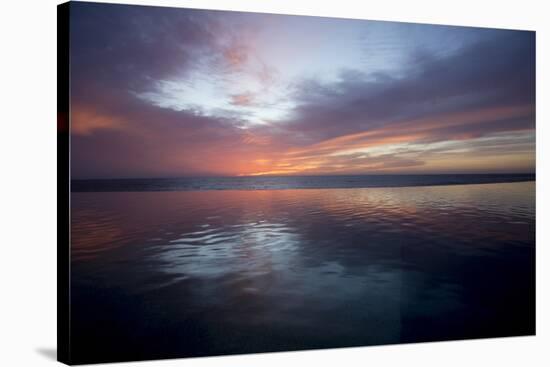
173, 274
290, 182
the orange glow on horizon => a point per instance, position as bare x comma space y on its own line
388, 149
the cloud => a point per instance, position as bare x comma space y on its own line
236, 56
177, 93
244, 99
487, 74
84, 121
125, 46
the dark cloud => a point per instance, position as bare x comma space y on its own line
490, 73
162, 143
125, 46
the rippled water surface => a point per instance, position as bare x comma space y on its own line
172, 274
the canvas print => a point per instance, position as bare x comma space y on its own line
243, 183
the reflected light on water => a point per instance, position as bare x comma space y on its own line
280, 268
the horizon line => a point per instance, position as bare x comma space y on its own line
306, 175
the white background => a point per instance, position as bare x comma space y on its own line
28, 183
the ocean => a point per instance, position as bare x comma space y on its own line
289, 182
172, 268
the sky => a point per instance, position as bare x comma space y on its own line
168, 92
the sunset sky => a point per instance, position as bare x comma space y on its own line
164, 92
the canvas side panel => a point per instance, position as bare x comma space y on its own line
63, 186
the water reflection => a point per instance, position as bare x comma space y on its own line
198, 273
248, 248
